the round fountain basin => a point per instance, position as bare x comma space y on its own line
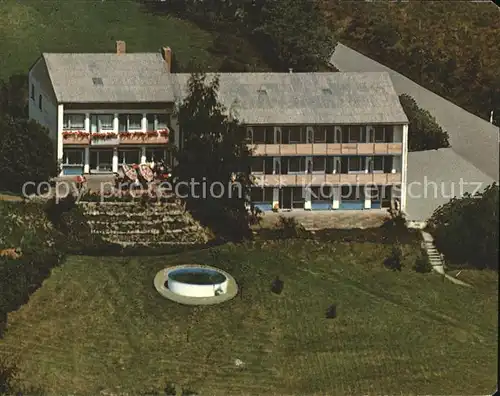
197, 282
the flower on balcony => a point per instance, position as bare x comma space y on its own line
78, 134
104, 135
163, 132
151, 133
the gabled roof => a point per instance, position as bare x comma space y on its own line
471, 137
314, 98
101, 78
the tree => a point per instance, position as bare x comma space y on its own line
26, 154
14, 96
465, 229
213, 153
292, 34
424, 133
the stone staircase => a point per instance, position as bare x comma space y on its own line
136, 224
435, 257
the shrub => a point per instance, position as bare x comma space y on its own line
422, 264
26, 155
75, 235
289, 227
395, 259
465, 230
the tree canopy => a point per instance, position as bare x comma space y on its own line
453, 52
213, 153
285, 33
424, 133
26, 153
465, 229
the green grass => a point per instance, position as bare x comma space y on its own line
30, 27
99, 325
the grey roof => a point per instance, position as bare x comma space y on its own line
472, 137
315, 98
446, 175
136, 77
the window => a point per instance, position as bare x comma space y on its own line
356, 134
321, 193
268, 165
351, 193
135, 122
269, 133
377, 164
74, 122
298, 198
40, 102
320, 135
162, 121
73, 157
257, 165
129, 122
33, 92
294, 134
319, 164
105, 122
356, 164
157, 155
259, 194
330, 134
259, 135
296, 164
379, 134
129, 157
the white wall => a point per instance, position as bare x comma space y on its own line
47, 116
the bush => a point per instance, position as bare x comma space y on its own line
424, 133
422, 264
26, 155
465, 230
74, 233
395, 259
289, 227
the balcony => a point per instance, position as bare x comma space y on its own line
76, 137
135, 138
327, 149
318, 179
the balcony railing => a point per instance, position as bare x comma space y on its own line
339, 178
327, 149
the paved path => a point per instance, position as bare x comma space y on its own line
436, 259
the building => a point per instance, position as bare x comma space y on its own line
341, 135
104, 110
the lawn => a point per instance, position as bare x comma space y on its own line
30, 27
97, 324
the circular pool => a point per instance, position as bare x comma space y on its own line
196, 281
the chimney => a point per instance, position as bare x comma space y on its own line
167, 56
120, 47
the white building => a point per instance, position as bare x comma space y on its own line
337, 133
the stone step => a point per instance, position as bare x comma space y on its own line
149, 232
149, 244
141, 224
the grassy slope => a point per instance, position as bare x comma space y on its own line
100, 325
32, 26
